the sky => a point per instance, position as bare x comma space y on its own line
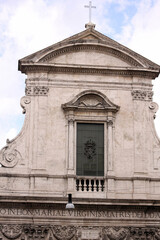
27, 26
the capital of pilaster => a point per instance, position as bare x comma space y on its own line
110, 122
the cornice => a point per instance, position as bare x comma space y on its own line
81, 69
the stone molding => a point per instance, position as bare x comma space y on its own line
37, 91
90, 100
103, 49
142, 95
74, 232
38, 67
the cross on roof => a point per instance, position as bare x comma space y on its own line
90, 9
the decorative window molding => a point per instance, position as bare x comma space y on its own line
90, 107
142, 95
90, 101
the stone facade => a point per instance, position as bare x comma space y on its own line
93, 79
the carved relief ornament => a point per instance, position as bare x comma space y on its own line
154, 108
36, 91
142, 95
11, 231
64, 232
10, 156
25, 101
70, 232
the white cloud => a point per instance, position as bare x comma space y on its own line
9, 135
10, 106
142, 35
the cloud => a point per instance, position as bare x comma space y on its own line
12, 133
142, 34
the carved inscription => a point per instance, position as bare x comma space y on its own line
88, 214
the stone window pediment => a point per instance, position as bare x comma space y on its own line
90, 101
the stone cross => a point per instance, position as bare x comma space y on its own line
90, 9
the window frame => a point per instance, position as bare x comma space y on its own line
105, 146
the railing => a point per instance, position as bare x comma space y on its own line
90, 184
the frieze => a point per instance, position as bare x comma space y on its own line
75, 232
36, 91
142, 95
114, 214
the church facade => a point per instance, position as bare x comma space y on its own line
88, 131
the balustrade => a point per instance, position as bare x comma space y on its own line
90, 184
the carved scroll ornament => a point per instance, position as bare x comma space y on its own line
154, 108
24, 103
10, 156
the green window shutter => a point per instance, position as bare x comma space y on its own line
90, 149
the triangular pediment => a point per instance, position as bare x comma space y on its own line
88, 42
